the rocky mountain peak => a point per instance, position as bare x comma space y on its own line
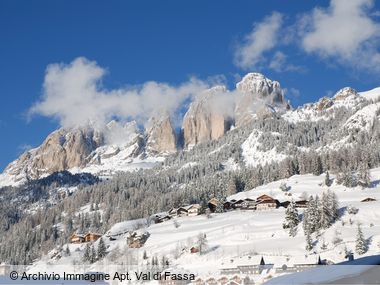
206, 120
161, 137
258, 93
344, 93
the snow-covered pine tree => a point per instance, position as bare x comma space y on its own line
67, 251
334, 205
102, 250
312, 215
327, 179
361, 243
326, 215
231, 187
317, 168
202, 243
291, 219
87, 253
309, 242
92, 254
364, 177
220, 205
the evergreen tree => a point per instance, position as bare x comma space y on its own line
291, 219
317, 165
312, 216
92, 254
67, 251
334, 205
202, 243
326, 215
364, 177
361, 243
231, 187
102, 250
87, 253
309, 242
327, 179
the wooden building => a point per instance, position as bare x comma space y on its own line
160, 218
248, 204
92, 237
301, 203
190, 210
213, 204
77, 238
265, 202
173, 212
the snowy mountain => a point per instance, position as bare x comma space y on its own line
329, 148
117, 147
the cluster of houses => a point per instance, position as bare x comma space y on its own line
263, 202
81, 238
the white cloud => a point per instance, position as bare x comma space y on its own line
344, 32
262, 38
73, 94
279, 63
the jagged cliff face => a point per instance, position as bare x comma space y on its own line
117, 146
203, 121
260, 95
61, 150
161, 137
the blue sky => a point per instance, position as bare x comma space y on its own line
311, 51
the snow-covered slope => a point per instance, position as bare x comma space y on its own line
242, 237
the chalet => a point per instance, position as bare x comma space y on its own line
190, 210
92, 237
237, 204
301, 203
137, 239
173, 212
248, 204
77, 238
227, 205
265, 202
368, 200
285, 204
213, 204
160, 217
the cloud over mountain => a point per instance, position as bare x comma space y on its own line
73, 94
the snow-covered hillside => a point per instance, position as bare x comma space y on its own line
242, 237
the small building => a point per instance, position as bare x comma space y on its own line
194, 249
92, 237
213, 204
301, 203
77, 238
160, 217
237, 204
173, 212
248, 204
368, 200
190, 210
265, 202
137, 239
